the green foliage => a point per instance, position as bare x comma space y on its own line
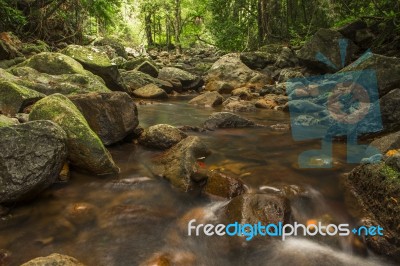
11, 17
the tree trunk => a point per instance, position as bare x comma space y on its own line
262, 21
149, 35
178, 26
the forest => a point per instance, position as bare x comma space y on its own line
250, 24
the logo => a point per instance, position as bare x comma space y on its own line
345, 104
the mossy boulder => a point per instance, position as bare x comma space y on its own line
135, 79
98, 63
115, 44
14, 98
34, 48
188, 80
65, 84
373, 195
6, 121
150, 91
86, 151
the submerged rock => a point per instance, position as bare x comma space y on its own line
161, 136
112, 116
208, 99
179, 165
85, 149
227, 120
98, 63
14, 98
54, 259
150, 91
32, 155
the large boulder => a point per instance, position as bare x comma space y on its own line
14, 98
372, 192
189, 81
32, 155
221, 185
258, 60
98, 63
324, 52
150, 91
390, 110
227, 120
112, 116
208, 99
48, 84
387, 143
229, 72
161, 136
254, 208
148, 68
387, 70
54, 259
180, 164
85, 149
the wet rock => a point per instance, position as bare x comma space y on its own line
304, 106
14, 98
208, 99
227, 120
179, 165
6, 121
240, 106
229, 72
148, 68
54, 259
112, 116
81, 213
373, 190
325, 43
224, 186
150, 91
32, 155
254, 208
389, 110
189, 81
387, 70
115, 44
265, 104
49, 84
278, 89
161, 136
176, 258
98, 63
85, 149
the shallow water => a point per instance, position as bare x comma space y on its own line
137, 216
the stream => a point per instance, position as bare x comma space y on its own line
136, 216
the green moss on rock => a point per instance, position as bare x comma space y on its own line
89, 55
6, 121
85, 148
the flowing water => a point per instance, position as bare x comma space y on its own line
135, 217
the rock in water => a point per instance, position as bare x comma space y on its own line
189, 81
54, 259
113, 116
98, 63
322, 52
14, 98
208, 99
179, 165
254, 208
150, 91
224, 186
161, 136
85, 149
31, 157
227, 120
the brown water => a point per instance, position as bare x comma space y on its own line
137, 216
